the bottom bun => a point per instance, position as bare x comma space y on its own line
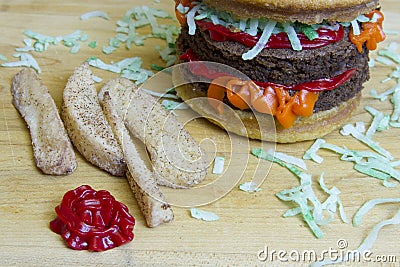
265, 127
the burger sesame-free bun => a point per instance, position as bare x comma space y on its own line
259, 126
305, 11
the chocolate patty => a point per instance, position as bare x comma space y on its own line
286, 66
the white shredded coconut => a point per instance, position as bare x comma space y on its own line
203, 215
219, 163
26, 60
365, 245
356, 28
252, 53
250, 187
309, 206
94, 14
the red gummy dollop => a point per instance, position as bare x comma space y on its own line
92, 220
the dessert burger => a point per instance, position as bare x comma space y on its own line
306, 61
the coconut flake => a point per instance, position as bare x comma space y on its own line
349, 129
26, 60
252, 53
190, 19
203, 215
309, 206
94, 14
356, 27
250, 187
292, 35
219, 163
367, 244
289, 159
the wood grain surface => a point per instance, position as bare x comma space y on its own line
248, 222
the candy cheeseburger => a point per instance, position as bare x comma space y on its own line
307, 61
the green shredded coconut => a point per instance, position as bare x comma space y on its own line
395, 99
156, 67
379, 123
349, 129
29, 46
42, 42
92, 44
140, 17
173, 105
75, 48
168, 55
97, 63
161, 95
303, 195
26, 60
366, 162
384, 61
367, 244
367, 206
108, 49
390, 55
289, 159
41, 38
383, 96
309, 31
130, 68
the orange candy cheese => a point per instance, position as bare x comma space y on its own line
271, 100
371, 33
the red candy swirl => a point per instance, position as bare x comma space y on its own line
92, 220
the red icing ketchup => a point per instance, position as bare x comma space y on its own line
92, 220
220, 33
312, 86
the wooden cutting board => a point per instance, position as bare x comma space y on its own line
248, 222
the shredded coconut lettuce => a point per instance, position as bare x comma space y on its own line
367, 162
292, 35
384, 61
309, 206
266, 34
142, 16
349, 129
161, 95
379, 123
168, 54
383, 96
29, 46
367, 206
390, 53
41, 42
369, 241
173, 105
129, 68
289, 159
26, 60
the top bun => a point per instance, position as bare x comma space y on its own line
304, 11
